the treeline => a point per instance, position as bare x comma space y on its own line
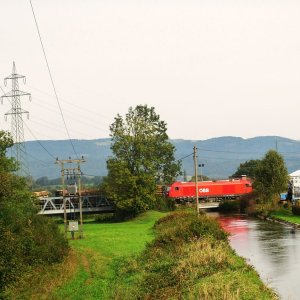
27, 239
44, 181
270, 178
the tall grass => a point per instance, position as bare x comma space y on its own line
189, 258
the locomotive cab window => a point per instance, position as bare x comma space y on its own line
176, 188
248, 184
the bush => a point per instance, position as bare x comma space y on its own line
105, 218
27, 239
39, 242
164, 204
247, 203
265, 210
296, 210
230, 206
181, 227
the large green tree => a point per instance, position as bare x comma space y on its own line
271, 176
27, 239
247, 168
142, 158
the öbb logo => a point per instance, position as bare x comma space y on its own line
204, 190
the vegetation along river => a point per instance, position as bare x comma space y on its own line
273, 249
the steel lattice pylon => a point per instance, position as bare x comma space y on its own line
16, 112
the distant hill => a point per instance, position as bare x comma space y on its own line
220, 156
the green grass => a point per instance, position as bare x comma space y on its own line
155, 256
104, 245
190, 258
286, 215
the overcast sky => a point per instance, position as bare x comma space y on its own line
210, 68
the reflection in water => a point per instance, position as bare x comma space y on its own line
271, 248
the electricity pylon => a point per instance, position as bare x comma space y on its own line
18, 151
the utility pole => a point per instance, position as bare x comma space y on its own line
16, 112
201, 171
196, 179
76, 171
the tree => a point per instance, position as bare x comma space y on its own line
142, 158
271, 176
42, 181
27, 239
200, 178
247, 168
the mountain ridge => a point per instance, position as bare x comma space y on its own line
220, 155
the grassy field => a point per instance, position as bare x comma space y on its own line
90, 268
184, 257
101, 249
286, 215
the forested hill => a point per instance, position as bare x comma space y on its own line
220, 156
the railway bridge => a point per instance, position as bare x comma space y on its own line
92, 204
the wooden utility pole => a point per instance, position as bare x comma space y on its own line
80, 203
76, 171
196, 179
62, 174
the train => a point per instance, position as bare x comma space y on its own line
214, 190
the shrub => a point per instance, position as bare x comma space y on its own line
247, 203
27, 239
296, 209
230, 206
164, 204
105, 218
181, 227
39, 242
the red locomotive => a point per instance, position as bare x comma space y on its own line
219, 189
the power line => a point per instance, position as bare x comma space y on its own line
224, 151
180, 159
51, 78
43, 162
71, 103
34, 138
76, 116
39, 142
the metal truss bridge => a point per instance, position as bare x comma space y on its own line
91, 204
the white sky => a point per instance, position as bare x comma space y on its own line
210, 68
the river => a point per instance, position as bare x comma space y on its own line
272, 249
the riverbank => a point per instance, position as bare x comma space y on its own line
285, 216
182, 257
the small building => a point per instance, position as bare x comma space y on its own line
295, 183
295, 178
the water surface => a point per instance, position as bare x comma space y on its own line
273, 249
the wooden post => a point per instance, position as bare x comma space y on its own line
64, 199
196, 179
80, 202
